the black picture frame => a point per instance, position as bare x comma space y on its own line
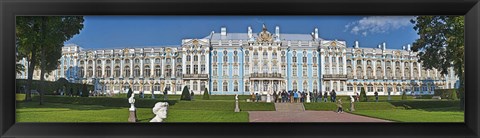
10, 9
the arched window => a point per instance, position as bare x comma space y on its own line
136, 71
389, 72
247, 86
117, 71
265, 54
126, 71
90, 72
379, 72
380, 88
195, 85
305, 86
146, 71
235, 86
195, 58
350, 87
359, 71
398, 72
295, 86
225, 86
178, 71
188, 68
98, 72
158, 71
369, 72
359, 87
369, 88
215, 86
108, 71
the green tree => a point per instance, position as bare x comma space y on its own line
441, 45
363, 95
41, 38
85, 92
185, 94
206, 95
454, 95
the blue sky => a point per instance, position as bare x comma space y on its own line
140, 31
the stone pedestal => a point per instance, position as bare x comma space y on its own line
352, 107
269, 98
236, 106
133, 116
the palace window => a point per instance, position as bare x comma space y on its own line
265, 54
295, 86
202, 86
335, 86
334, 60
247, 58
147, 61
247, 69
157, 61
215, 86
195, 58
255, 69
378, 72
178, 72
247, 86
235, 58
108, 71
359, 87
158, 71
342, 84
327, 85
179, 60
305, 86
314, 60
203, 69
146, 73
225, 86
168, 71
294, 59
255, 55
235, 70
327, 61
117, 71
225, 70
225, 59
359, 62
294, 71
304, 73
265, 85
315, 72
274, 55
304, 60
189, 58
99, 71
283, 58
203, 58
275, 69
137, 61
315, 86
235, 86
255, 85
370, 88
168, 61
379, 88
195, 85
99, 62
126, 71
156, 87
214, 59
349, 62
340, 60
284, 69
136, 71
109, 61
350, 87
195, 69
424, 88
265, 68
188, 69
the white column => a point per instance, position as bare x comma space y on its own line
354, 68
121, 68
393, 69
419, 70
344, 64
411, 69
384, 69
112, 68
141, 68
84, 69
402, 64
364, 68
103, 68
337, 66
152, 68
173, 68
322, 65
330, 64
94, 69
162, 60
131, 68
375, 68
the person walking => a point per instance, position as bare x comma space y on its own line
339, 105
319, 98
334, 96
279, 97
253, 97
376, 96
274, 97
325, 96
295, 97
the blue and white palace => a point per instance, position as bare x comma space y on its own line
253, 62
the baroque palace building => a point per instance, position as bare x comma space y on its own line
245, 63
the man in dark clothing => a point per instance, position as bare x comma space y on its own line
334, 96
325, 96
319, 98
376, 96
275, 97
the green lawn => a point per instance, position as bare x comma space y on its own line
104, 109
402, 111
416, 115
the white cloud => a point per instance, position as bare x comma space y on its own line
378, 24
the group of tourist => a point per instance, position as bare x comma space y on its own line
298, 96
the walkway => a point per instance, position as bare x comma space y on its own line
288, 112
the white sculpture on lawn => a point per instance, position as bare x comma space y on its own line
160, 111
131, 100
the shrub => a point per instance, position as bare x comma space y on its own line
85, 92
454, 95
185, 94
444, 93
363, 95
404, 96
206, 96
129, 93
104, 101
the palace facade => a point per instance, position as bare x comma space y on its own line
245, 63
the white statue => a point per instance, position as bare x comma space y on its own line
308, 97
352, 99
160, 111
236, 97
250, 35
131, 100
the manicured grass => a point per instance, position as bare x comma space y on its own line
105, 109
20, 97
416, 115
329, 106
205, 116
